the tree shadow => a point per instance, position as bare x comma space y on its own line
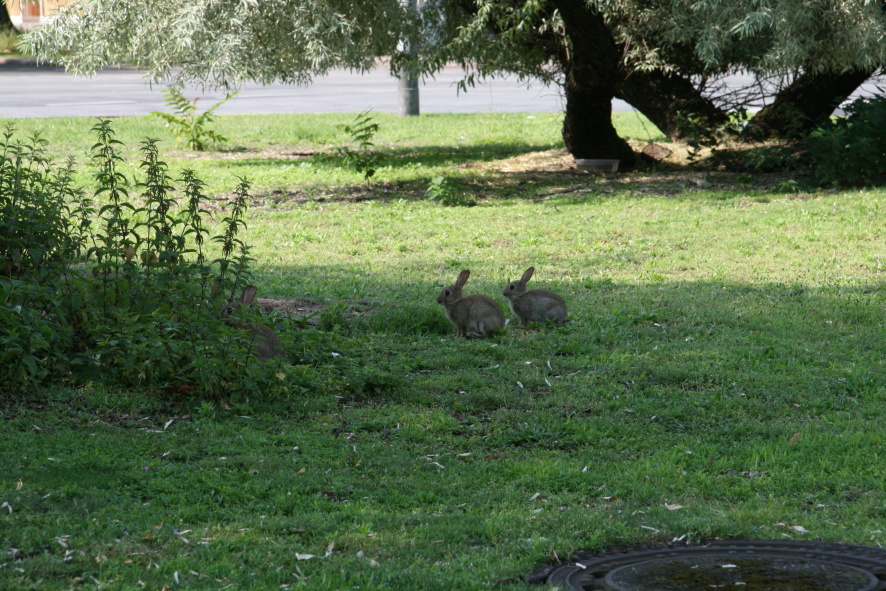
784, 349
515, 170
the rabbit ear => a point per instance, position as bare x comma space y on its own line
248, 294
527, 275
462, 278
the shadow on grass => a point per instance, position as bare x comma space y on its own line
509, 171
416, 156
565, 187
779, 348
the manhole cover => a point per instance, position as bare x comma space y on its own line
727, 565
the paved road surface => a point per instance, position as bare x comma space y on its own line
28, 91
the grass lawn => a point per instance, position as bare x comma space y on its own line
722, 375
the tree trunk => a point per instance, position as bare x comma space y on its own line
670, 101
591, 71
5, 21
804, 104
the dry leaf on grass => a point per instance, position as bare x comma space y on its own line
652, 529
797, 528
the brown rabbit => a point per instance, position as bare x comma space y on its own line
474, 316
535, 305
266, 344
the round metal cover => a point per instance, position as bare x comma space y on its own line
734, 565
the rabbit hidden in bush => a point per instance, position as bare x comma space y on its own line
474, 316
535, 305
266, 344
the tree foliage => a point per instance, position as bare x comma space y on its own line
675, 52
778, 35
220, 43
669, 54
226, 43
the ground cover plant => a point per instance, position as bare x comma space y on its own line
721, 376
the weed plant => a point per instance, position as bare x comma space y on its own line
442, 190
364, 159
191, 128
127, 295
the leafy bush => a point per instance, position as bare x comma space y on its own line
190, 127
8, 40
699, 133
783, 157
43, 217
121, 287
851, 150
123, 293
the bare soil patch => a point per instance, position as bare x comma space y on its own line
307, 309
294, 308
676, 173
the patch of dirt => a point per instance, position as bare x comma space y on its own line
295, 308
677, 156
677, 172
548, 161
267, 153
307, 309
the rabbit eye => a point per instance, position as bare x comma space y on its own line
513, 286
448, 292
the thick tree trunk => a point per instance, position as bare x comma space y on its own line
669, 101
804, 104
591, 72
5, 21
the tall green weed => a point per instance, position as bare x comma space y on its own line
122, 293
191, 128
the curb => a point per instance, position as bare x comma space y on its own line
21, 61
30, 62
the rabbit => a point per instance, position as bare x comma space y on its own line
474, 316
266, 344
535, 305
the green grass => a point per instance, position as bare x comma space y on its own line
725, 355
9, 43
285, 152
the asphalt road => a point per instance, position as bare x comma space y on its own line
30, 91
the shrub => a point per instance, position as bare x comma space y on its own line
43, 218
851, 150
123, 293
